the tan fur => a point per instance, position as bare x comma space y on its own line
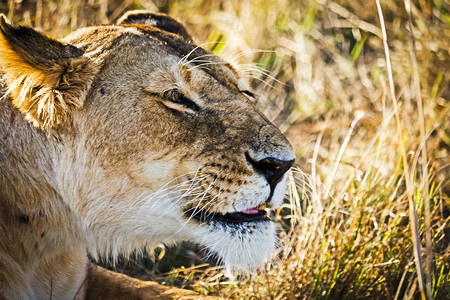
109, 285
119, 138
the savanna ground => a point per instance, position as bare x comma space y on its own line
364, 173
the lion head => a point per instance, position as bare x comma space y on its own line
144, 138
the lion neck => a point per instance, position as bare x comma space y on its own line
36, 227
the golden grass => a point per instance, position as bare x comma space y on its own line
367, 138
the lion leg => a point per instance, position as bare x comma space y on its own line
105, 284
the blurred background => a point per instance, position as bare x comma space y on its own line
319, 69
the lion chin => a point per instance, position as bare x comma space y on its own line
120, 137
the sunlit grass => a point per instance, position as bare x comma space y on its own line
319, 69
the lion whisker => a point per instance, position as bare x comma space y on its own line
184, 58
198, 58
251, 51
167, 188
206, 64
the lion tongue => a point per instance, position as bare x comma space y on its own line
251, 211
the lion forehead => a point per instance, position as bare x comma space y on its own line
170, 49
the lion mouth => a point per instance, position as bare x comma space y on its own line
255, 214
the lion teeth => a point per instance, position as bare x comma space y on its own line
262, 206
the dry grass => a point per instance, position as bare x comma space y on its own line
345, 227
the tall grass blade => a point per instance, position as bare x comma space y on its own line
410, 191
425, 191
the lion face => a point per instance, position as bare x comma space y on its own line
168, 146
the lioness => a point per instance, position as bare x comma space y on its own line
120, 137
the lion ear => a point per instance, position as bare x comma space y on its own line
161, 21
46, 79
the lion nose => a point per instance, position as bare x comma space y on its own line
272, 168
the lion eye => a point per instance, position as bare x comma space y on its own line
177, 97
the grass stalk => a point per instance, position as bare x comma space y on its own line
424, 161
409, 188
